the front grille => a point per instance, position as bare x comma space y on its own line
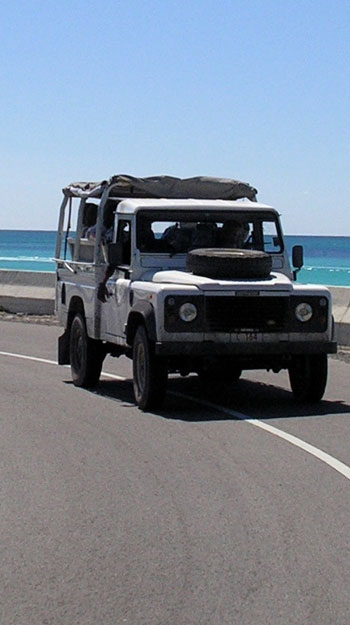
232, 314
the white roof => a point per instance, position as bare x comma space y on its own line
132, 206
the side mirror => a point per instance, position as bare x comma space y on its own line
115, 254
297, 259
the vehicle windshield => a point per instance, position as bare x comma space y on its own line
179, 232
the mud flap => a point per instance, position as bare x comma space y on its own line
63, 349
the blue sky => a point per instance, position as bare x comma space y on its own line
255, 90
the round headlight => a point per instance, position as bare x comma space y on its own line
187, 312
303, 312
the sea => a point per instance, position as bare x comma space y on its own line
326, 259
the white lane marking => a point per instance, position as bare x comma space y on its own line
48, 362
121, 378
54, 362
297, 442
335, 464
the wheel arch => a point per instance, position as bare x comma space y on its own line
141, 313
76, 305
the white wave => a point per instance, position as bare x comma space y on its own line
24, 259
324, 268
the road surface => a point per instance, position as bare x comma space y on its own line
227, 508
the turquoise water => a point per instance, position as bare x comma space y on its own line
326, 259
30, 250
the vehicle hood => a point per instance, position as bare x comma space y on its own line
274, 281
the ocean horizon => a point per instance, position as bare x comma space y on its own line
326, 258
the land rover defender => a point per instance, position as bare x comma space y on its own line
184, 275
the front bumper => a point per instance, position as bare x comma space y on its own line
212, 348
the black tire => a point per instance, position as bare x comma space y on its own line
86, 355
229, 263
150, 372
308, 377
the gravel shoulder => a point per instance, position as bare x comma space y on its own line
48, 320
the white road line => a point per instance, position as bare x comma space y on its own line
54, 362
47, 362
335, 464
121, 378
342, 468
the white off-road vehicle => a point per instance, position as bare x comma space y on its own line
184, 276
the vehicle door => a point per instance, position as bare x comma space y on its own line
115, 310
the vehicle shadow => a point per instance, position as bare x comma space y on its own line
186, 400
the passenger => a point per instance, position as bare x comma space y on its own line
204, 235
89, 217
106, 234
233, 234
107, 226
145, 236
108, 221
177, 238
124, 237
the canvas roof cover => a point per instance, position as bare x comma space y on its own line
199, 187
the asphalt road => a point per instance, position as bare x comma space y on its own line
192, 515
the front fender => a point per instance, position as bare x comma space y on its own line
142, 312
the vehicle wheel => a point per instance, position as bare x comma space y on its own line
219, 375
86, 355
150, 372
229, 263
308, 377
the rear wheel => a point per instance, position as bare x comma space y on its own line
86, 355
150, 372
308, 377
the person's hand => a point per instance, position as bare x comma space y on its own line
102, 292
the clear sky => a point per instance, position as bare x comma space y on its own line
251, 89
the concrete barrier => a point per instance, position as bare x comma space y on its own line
341, 312
33, 292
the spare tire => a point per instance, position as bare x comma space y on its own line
229, 263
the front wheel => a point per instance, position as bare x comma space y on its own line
308, 377
86, 355
150, 372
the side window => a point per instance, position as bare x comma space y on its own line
272, 242
124, 237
